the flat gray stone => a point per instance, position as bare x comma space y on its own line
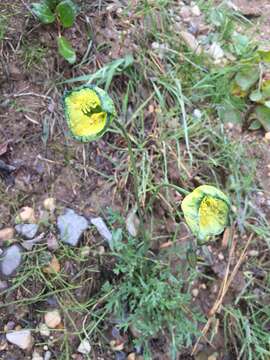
29, 244
102, 228
10, 260
71, 227
28, 231
22, 338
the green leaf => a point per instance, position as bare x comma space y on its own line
43, 12
256, 96
229, 113
247, 77
263, 115
66, 50
265, 55
267, 103
52, 4
266, 88
206, 211
66, 10
255, 125
106, 73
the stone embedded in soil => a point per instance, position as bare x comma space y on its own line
11, 260
71, 227
3, 285
6, 234
44, 330
29, 244
28, 231
191, 42
196, 10
27, 215
120, 355
84, 347
22, 338
49, 204
102, 229
52, 242
47, 355
36, 356
52, 318
216, 51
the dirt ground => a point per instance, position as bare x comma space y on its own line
47, 163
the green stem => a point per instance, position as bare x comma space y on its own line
159, 187
134, 169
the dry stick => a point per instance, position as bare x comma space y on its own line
223, 289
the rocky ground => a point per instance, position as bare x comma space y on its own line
55, 238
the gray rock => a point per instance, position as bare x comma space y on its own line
3, 285
29, 244
11, 260
102, 229
28, 231
47, 355
71, 227
22, 338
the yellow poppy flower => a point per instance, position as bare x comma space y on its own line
89, 111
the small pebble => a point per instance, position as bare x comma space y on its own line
216, 51
10, 260
117, 345
22, 338
197, 113
131, 356
36, 356
185, 12
49, 204
253, 253
120, 355
196, 10
85, 251
44, 330
52, 242
47, 355
221, 256
26, 215
52, 318
3, 285
9, 326
102, 229
267, 136
84, 347
6, 234
28, 231
71, 227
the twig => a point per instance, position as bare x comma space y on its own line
223, 289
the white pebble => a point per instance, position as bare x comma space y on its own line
52, 318
84, 347
49, 204
44, 330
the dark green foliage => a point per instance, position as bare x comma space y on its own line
66, 12
48, 11
150, 297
